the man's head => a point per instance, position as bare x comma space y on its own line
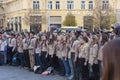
116, 29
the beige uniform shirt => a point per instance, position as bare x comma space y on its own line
84, 51
25, 44
73, 47
100, 54
59, 50
20, 46
51, 49
64, 50
32, 43
44, 47
93, 54
38, 50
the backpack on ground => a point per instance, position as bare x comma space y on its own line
15, 61
38, 70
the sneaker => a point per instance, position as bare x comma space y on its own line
71, 77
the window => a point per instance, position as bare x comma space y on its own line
70, 5
36, 5
105, 4
57, 4
50, 5
90, 5
82, 4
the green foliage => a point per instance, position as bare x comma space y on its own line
103, 18
69, 20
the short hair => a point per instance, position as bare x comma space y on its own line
85, 39
32, 32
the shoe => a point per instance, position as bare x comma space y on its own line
31, 70
26, 68
71, 77
67, 75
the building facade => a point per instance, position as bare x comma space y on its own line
38, 15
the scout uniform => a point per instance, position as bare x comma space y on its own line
20, 51
12, 45
93, 62
44, 52
72, 57
38, 61
59, 54
93, 54
32, 42
83, 59
25, 43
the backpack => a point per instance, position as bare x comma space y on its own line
15, 61
38, 70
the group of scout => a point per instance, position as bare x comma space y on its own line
78, 56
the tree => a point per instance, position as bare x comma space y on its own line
101, 17
69, 20
88, 22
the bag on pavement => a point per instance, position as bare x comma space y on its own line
15, 61
38, 69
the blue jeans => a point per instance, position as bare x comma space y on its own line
38, 61
5, 56
71, 67
66, 65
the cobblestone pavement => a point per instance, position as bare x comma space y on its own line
15, 73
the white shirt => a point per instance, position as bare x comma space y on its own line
25, 44
13, 42
32, 43
9, 42
2, 45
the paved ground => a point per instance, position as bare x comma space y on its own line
14, 73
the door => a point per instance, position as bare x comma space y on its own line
35, 28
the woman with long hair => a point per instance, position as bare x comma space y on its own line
83, 59
103, 42
51, 51
93, 61
59, 54
25, 43
38, 61
111, 58
44, 52
65, 52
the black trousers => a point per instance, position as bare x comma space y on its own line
44, 59
78, 69
10, 53
74, 65
56, 62
96, 72
84, 70
61, 67
27, 59
21, 59
51, 61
